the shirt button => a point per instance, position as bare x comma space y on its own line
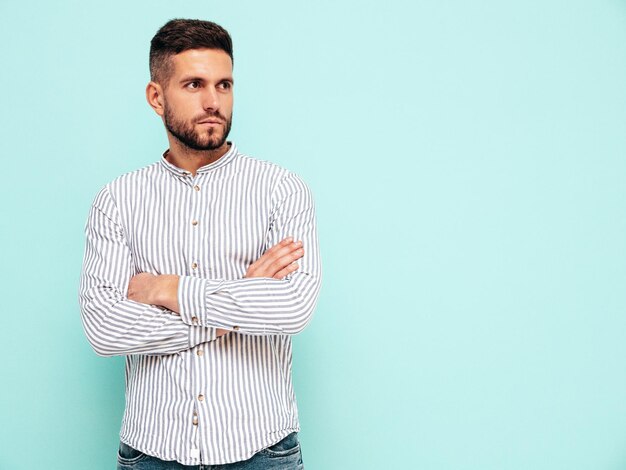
199, 352
196, 187
200, 397
194, 222
194, 265
236, 328
194, 320
195, 419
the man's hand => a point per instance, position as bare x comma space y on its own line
152, 289
276, 262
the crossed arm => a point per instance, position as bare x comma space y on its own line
276, 263
124, 313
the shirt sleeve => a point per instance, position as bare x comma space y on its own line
264, 305
115, 325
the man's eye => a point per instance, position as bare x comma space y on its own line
193, 85
225, 85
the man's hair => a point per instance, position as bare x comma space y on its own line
179, 35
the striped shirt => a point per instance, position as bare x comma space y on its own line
190, 396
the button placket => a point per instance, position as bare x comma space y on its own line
195, 233
197, 257
195, 253
197, 417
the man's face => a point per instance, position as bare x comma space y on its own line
198, 99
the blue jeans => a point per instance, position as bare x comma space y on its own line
284, 455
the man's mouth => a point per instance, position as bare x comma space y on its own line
213, 122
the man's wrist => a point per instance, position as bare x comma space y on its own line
166, 292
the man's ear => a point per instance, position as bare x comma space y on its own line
154, 95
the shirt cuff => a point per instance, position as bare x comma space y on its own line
192, 292
191, 300
201, 334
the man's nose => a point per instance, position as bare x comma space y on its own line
210, 99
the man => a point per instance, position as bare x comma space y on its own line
199, 268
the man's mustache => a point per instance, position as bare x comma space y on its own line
212, 117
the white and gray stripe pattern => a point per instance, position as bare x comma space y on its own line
189, 396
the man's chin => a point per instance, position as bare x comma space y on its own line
209, 143
214, 144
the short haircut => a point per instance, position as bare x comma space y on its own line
179, 35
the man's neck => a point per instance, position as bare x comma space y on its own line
190, 159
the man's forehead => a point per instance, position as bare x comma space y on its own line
208, 61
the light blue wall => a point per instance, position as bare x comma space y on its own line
468, 161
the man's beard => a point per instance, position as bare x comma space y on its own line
186, 133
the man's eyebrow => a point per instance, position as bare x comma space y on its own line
200, 79
191, 79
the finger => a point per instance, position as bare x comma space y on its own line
285, 271
269, 252
266, 257
284, 242
285, 261
271, 256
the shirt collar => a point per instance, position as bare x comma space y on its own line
220, 162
